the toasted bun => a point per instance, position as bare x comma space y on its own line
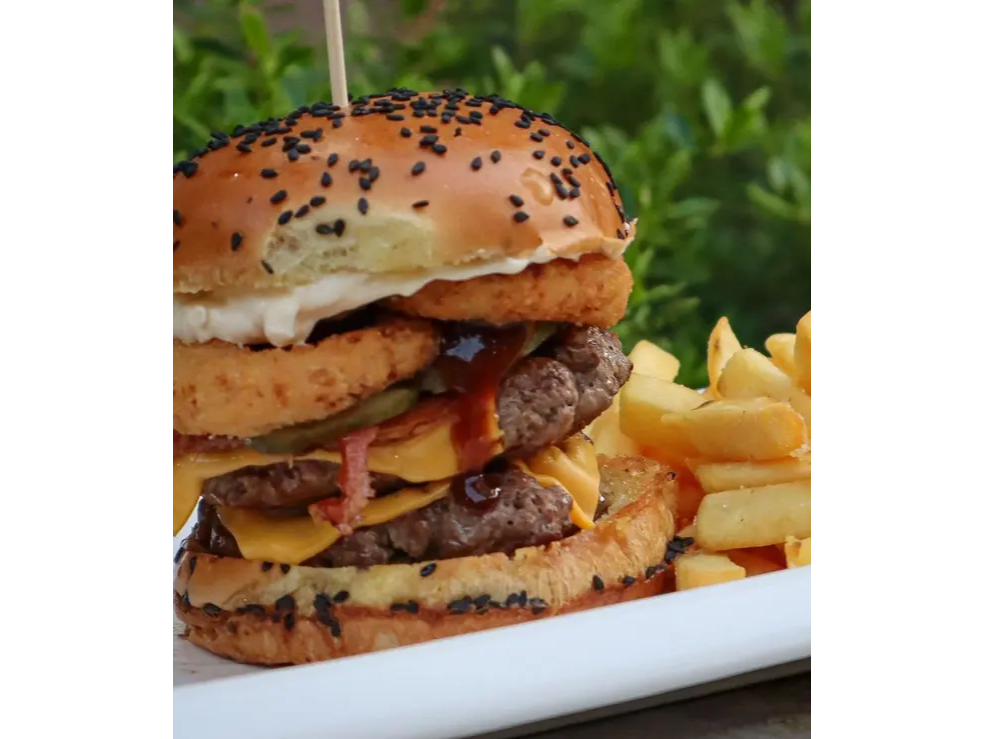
232, 201
252, 612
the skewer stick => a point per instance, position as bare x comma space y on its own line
336, 54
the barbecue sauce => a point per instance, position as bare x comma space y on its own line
472, 362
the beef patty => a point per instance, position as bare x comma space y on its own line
543, 399
523, 514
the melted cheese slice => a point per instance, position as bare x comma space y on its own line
426, 457
292, 540
574, 467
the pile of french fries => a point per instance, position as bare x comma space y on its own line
741, 449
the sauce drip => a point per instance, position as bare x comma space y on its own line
472, 362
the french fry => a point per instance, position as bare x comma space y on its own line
714, 477
798, 551
758, 560
802, 352
722, 344
687, 497
749, 374
733, 430
608, 438
781, 349
754, 517
643, 403
697, 570
650, 359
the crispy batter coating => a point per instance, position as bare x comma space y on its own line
224, 389
592, 291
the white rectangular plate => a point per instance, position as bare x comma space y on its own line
506, 677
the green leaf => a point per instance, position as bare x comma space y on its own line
717, 105
255, 31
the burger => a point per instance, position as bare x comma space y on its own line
390, 329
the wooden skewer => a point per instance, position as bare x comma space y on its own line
336, 54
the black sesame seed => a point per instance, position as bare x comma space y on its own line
177, 555
570, 144
463, 605
575, 193
539, 154
477, 163
302, 211
687, 541
570, 221
333, 159
420, 204
628, 580
584, 158
285, 603
520, 216
440, 148
572, 180
326, 179
341, 597
417, 168
284, 217
406, 133
243, 147
265, 566
428, 129
394, 117
323, 603
339, 227
574, 161
536, 137
516, 200
365, 183
333, 624
268, 142
522, 601
337, 123
458, 132
496, 156
268, 173
270, 270
324, 229
293, 155
290, 141
316, 201
289, 621
463, 119
544, 131
538, 605
177, 218
651, 571
313, 135
427, 141
522, 123
278, 196
428, 569
283, 568
482, 601
211, 609
354, 164
418, 113
363, 205
598, 583
556, 161
303, 149
236, 241
512, 599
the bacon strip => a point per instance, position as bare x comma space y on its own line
202, 444
354, 481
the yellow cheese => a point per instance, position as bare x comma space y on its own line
426, 457
292, 540
574, 467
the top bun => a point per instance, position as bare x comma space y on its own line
396, 182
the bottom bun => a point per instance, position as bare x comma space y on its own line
264, 613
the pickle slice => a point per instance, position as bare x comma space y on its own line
373, 410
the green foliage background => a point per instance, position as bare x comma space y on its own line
701, 107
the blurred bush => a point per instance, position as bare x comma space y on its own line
701, 107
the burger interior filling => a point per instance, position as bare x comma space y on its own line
479, 453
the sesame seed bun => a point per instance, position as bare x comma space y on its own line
275, 615
376, 188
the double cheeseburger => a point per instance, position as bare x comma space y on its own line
390, 328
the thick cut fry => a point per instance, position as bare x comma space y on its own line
781, 349
697, 570
758, 560
608, 438
749, 374
715, 477
643, 403
736, 430
798, 552
722, 344
650, 359
754, 517
802, 352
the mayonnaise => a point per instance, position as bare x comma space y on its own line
287, 316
